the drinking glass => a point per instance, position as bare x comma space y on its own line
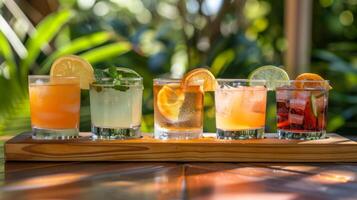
302, 109
116, 108
54, 105
240, 108
178, 109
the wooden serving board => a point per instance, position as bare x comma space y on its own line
208, 149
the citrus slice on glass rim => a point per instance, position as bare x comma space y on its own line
274, 76
200, 74
312, 80
170, 97
72, 65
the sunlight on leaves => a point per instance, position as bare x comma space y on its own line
222, 61
106, 52
77, 45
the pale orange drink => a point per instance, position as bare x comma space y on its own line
55, 99
55, 104
240, 108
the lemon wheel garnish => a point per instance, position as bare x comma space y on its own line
74, 66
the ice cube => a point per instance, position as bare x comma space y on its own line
224, 102
296, 119
188, 111
282, 95
254, 99
303, 95
298, 104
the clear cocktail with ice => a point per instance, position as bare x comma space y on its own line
240, 108
178, 110
178, 104
302, 109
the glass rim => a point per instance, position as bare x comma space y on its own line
173, 80
129, 81
49, 76
124, 78
302, 81
167, 79
239, 80
126, 82
112, 84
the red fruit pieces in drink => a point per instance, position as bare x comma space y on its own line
282, 109
283, 124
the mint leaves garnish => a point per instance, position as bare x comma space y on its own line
118, 85
114, 75
99, 74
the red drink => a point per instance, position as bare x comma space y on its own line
301, 112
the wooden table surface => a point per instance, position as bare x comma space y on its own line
158, 180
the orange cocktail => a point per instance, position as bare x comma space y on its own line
55, 105
240, 108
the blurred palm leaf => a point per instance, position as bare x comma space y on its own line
75, 46
45, 32
8, 77
14, 105
106, 52
6, 52
222, 61
17, 120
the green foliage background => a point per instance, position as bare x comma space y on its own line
169, 37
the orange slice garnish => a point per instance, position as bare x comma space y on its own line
311, 77
169, 101
200, 74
